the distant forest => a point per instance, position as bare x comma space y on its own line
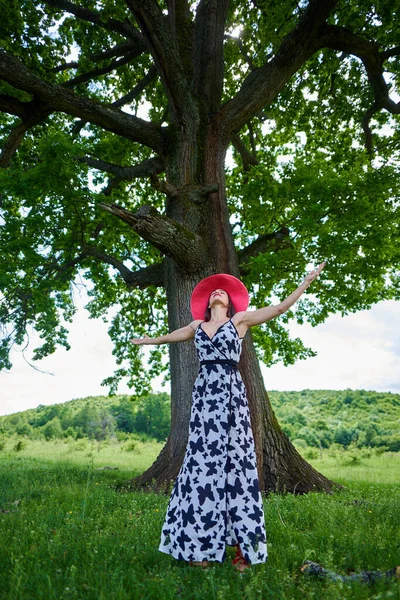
311, 418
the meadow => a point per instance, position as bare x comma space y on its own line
67, 533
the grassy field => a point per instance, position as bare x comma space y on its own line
66, 533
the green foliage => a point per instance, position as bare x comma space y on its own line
313, 177
331, 418
313, 419
100, 418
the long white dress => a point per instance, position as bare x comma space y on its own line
216, 499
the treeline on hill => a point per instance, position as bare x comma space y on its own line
314, 418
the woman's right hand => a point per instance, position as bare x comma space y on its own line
139, 341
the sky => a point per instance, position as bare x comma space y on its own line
358, 351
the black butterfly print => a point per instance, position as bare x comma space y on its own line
239, 401
230, 466
245, 424
188, 516
213, 404
246, 464
201, 388
230, 345
254, 489
210, 368
239, 386
214, 388
208, 520
171, 515
205, 492
186, 487
191, 463
182, 539
261, 557
257, 514
232, 419
213, 447
197, 445
212, 468
233, 514
225, 425
221, 492
210, 425
195, 423
235, 489
205, 542
245, 446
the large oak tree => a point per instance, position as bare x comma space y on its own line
117, 122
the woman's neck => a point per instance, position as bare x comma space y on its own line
218, 314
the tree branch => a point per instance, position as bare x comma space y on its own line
118, 50
263, 84
143, 169
339, 38
32, 113
390, 52
269, 242
194, 193
171, 238
146, 168
124, 28
180, 17
142, 278
13, 106
247, 157
242, 50
112, 66
139, 87
156, 27
164, 186
12, 144
209, 51
57, 98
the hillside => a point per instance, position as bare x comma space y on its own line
316, 418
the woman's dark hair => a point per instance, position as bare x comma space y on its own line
230, 313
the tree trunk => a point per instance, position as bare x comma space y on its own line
280, 467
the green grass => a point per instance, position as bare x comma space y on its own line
373, 469
69, 534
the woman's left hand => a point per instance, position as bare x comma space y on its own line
314, 274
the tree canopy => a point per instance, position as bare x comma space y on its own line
94, 96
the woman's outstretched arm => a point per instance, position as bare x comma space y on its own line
261, 315
178, 335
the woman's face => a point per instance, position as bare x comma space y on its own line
218, 296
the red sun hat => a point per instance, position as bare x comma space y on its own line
232, 285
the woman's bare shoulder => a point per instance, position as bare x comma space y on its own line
238, 317
194, 324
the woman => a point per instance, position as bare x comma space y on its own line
216, 500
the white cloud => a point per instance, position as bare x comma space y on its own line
358, 351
